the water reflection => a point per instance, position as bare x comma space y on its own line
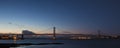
78, 44
67, 43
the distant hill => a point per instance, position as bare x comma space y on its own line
27, 32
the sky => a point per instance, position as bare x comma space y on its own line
71, 16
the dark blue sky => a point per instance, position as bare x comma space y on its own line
76, 16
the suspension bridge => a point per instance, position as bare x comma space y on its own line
52, 33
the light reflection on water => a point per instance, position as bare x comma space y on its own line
41, 46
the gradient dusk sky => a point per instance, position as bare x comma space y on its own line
75, 16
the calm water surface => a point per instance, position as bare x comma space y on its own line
69, 43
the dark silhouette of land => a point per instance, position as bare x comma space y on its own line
8, 45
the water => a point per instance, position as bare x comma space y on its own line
70, 43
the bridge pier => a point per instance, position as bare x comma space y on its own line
22, 36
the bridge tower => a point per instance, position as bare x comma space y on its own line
54, 33
99, 34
